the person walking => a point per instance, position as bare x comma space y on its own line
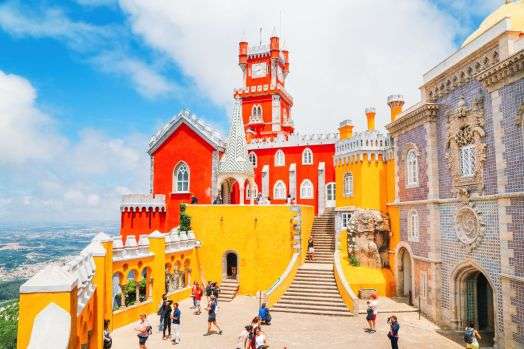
209, 291
198, 299
193, 290
372, 312
394, 327
212, 317
166, 319
159, 313
108, 341
260, 339
310, 249
143, 331
176, 323
471, 336
243, 338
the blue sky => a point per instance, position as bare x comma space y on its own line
89, 81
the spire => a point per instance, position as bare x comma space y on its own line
235, 160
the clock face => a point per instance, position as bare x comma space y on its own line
258, 70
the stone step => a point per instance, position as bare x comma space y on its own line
320, 262
311, 298
312, 312
312, 292
319, 278
336, 307
311, 282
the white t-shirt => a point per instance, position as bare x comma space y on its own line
374, 305
260, 340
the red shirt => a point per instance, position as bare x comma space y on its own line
198, 294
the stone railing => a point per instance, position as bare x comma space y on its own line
83, 269
293, 140
139, 201
131, 249
180, 240
363, 142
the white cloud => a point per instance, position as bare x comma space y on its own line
146, 81
26, 133
48, 179
344, 55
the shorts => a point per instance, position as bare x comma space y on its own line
211, 318
142, 340
472, 345
311, 250
371, 317
197, 302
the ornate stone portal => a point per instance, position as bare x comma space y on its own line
368, 235
469, 225
466, 128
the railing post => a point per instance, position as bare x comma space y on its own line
157, 246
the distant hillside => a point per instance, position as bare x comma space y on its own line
10, 289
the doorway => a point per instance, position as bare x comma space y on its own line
404, 274
231, 266
331, 194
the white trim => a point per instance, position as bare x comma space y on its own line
306, 151
280, 158
348, 189
311, 187
175, 180
412, 169
413, 225
274, 190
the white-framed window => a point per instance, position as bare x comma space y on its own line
423, 284
306, 189
467, 160
413, 226
412, 168
249, 191
346, 216
253, 159
256, 111
348, 184
307, 157
280, 158
181, 178
279, 190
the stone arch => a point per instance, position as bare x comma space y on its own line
474, 299
117, 292
404, 270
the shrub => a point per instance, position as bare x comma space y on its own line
185, 220
353, 260
8, 324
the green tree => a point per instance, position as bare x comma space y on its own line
8, 324
185, 220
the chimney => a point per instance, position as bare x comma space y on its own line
370, 116
395, 103
345, 129
242, 54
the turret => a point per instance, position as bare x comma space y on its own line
370, 116
242, 54
345, 129
395, 103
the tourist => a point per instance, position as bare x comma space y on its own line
260, 339
394, 327
212, 320
255, 323
176, 323
243, 338
159, 313
193, 290
194, 200
471, 336
166, 319
108, 341
372, 311
258, 198
143, 330
215, 290
264, 315
198, 299
209, 291
288, 199
310, 249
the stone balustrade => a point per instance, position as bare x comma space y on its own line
363, 142
136, 202
292, 140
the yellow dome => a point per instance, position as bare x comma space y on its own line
513, 10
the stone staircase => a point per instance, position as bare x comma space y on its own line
323, 234
228, 290
313, 291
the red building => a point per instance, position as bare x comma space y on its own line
186, 152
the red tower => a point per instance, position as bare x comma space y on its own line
266, 106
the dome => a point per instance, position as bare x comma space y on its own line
513, 10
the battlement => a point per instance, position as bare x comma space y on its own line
137, 202
293, 140
363, 142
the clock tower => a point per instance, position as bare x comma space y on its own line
266, 106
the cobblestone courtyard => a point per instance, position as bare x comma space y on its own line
289, 330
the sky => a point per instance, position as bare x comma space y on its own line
85, 83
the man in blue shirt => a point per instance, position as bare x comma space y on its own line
393, 331
176, 323
264, 315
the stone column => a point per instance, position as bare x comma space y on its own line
321, 187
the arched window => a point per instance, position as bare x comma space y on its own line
348, 184
256, 111
249, 191
412, 168
413, 226
280, 158
279, 191
181, 178
253, 159
467, 160
306, 189
307, 157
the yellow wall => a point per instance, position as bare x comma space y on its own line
370, 183
262, 237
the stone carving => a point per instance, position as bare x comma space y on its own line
520, 115
368, 238
466, 127
468, 224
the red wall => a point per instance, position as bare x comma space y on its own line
321, 153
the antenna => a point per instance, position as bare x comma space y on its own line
260, 36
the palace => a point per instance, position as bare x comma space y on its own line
431, 210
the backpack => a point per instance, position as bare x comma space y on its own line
469, 333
